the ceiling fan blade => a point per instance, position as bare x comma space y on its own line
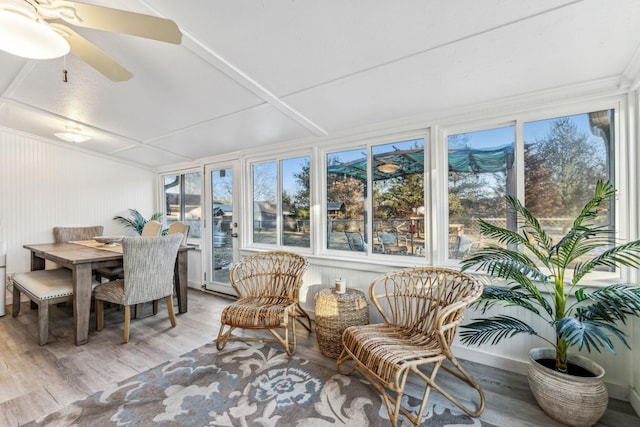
92, 55
122, 21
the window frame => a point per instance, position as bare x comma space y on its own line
367, 144
435, 133
190, 240
248, 202
618, 168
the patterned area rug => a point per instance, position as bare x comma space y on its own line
243, 385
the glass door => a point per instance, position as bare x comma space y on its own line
222, 227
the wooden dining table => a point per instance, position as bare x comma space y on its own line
82, 260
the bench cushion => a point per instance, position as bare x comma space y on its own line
46, 284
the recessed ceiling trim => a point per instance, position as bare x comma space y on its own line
248, 83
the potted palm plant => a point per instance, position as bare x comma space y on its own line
543, 277
136, 221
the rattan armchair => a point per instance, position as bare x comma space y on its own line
267, 285
421, 309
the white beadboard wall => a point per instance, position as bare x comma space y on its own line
43, 185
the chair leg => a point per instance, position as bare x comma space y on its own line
43, 322
223, 337
99, 315
155, 307
289, 339
463, 376
16, 300
301, 313
127, 321
172, 315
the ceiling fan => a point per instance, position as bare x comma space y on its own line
36, 29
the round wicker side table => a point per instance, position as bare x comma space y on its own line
336, 312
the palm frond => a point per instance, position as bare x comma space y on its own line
604, 191
136, 220
492, 296
611, 304
500, 234
493, 330
501, 262
532, 226
626, 254
591, 334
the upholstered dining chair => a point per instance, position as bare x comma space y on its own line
267, 285
179, 227
148, 276
152, 228
66, 234
421, 309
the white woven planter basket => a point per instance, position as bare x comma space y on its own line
572, 400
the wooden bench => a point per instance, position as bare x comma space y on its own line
43, 287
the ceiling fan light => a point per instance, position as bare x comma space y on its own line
72, 135
28, 38
388, 168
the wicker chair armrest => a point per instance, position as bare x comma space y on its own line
449, 318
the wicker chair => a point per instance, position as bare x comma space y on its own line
267, 285
421, 308
148, 276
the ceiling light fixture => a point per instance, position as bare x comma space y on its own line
24, 34
72, 134
388, 168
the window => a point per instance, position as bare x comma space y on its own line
182, 201
265, 204
346, 188
296, 206
398, 198
563, 159
395, 205
481, 168
281, 202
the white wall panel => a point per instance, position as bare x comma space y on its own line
43, 185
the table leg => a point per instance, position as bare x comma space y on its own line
181, 279
81, 301
37, 263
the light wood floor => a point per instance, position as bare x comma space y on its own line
36, 380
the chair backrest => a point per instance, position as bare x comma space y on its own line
148, 267
274, 273
388, 239
151, 229
179, 227
414, 299
66, 234
355, 240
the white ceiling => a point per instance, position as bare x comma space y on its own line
256, 72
